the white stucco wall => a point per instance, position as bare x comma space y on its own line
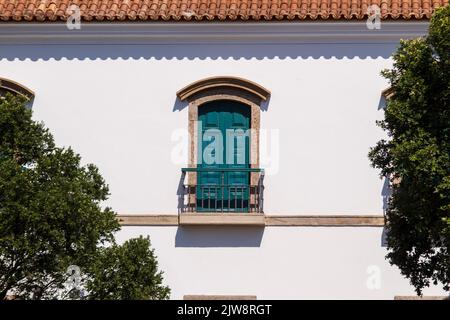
276, 262
115, 104
119, 113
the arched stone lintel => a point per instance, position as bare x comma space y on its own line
15, 87
224, 82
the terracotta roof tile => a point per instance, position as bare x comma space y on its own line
175, 10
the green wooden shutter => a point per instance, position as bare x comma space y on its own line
225, 125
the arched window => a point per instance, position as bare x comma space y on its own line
224, 124
15, 88
7, 85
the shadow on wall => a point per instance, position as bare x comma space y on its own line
384, 237
181, 191
197, 51
218, 236
386, 193
179, 105
382, 103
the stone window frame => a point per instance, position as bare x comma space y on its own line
217, 88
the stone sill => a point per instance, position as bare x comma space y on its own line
148, 219
221, 219
236, 219
324, 221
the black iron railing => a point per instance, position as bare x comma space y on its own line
222, 190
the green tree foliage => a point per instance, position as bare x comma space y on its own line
113, 275
416, 156
50, 212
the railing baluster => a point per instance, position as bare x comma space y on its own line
209, 197
254, 199
202, 190
229, 198
257, 192
242, 199
259, 200
222, 188
189, 199
261, 197
250, 209
193, 197
215, 198
235, 198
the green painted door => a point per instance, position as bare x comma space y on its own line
224, 150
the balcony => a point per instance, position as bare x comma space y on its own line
222, 190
